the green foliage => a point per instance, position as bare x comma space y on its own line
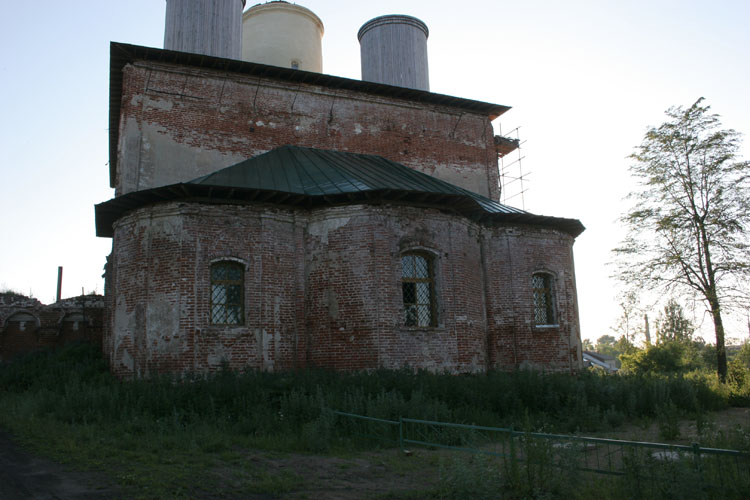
605, 345
587, 345
73, 386
672, 325
609, 346
687, 230
473, 476
70, 407
669, 421
664, 358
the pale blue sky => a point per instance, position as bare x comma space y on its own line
584, 78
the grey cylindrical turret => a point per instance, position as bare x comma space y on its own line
210, 27
393, 50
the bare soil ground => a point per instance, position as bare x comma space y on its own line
24, 476
381, 475
377, 475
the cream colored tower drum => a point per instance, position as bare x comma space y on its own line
282, 34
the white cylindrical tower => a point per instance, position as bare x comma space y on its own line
210, 27
393, 50
282, 34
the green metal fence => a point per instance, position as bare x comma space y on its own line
646, 466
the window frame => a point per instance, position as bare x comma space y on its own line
549, 295
226, 305
430, 279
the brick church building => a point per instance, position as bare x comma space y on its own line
269, 216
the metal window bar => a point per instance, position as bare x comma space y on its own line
543, 303
226, 293
417, 283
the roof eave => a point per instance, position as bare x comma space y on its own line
108, 212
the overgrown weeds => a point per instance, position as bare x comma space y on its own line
68, 405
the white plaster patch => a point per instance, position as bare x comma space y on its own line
127, 360
264, 340
216, 357
167, 161
124, 324
163, 324
357, 128
322, 228
260, 123
164, 104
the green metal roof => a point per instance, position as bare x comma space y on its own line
317, 172
309, 177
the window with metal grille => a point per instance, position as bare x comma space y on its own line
544, 310
418, 287
226, 293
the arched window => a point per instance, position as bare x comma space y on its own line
73, 321
418, 288
227, 284
544, 299
22, 321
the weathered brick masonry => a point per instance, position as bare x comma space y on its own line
27, 325
178, 123
323, 288
323, 284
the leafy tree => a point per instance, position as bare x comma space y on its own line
664, 358
587, 345
606, 345
688, 228
672, 325
624, 346
631, 318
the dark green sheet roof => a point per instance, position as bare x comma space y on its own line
318, 172
309, 177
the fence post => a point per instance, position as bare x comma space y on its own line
697, 461
401, 433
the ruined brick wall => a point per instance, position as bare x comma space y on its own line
512, 255
27, 325
161, 284
323, 288
178, 123
355, 292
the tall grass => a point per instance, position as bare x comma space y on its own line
72, 386
67, 405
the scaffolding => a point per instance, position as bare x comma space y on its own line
513, 180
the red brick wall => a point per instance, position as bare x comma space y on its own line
27, 325
512, 255
323, 288
179, 123
161, 289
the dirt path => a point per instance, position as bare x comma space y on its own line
24, 476
382, 474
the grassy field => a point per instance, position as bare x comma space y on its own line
235, 435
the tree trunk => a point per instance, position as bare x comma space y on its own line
721, 352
